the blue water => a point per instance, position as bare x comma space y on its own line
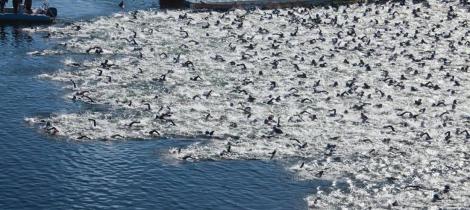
40, 172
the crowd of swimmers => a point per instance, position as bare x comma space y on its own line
17, 5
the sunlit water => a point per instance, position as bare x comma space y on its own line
42, 172
372, 97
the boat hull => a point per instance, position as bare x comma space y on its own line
38, 17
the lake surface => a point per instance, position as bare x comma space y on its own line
39, 172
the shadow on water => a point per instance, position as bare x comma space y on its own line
39, 172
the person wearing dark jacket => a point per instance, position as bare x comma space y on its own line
16, 5
2, 5
27, 6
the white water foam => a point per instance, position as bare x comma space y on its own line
379, 101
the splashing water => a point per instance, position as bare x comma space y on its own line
375, 97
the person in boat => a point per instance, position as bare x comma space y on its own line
16, 5
27, 6
2, 5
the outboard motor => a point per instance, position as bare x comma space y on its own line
51, 12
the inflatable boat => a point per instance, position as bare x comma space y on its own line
37, 16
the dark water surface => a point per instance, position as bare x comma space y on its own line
38, 172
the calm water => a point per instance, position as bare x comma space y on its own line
38, 172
